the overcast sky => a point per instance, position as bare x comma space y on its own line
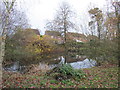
39, 11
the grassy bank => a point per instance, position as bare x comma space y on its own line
105, 76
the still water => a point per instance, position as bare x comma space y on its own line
77, 62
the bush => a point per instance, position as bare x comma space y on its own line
102, 50
26, 46
66, 71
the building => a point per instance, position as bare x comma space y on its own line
76, 37
36, 31
70, 36
56, 35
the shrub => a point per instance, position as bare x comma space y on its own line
102, 50
25, 46
66, 71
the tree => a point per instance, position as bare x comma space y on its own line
63, 22
111, 26
97, 18
116, 5
112, 19
25, 46
115, 22
17, 19
10, 20
8, 8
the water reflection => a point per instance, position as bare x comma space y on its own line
13, 67
85, 63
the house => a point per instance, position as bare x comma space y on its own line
92, 37
56, 35
70, 36
36, 31
76, 37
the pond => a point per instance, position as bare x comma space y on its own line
76, 61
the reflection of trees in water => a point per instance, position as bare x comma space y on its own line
17, 67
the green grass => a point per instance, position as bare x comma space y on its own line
96, 77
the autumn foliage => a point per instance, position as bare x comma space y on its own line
26, 45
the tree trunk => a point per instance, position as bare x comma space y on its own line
65, 40
2, 53
98, 29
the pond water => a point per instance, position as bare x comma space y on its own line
77, 62
87, 63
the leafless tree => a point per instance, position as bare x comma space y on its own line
10, 20
116, 5
112, 19
16, 19
97, 19
3, 29
63, 20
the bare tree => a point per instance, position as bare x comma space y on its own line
4, 29
97, 19
112, 19
16, 19
116, 5
62, 21
10, 20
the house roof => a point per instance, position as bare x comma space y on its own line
36, 31
52, 33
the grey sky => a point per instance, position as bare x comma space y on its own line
39, 11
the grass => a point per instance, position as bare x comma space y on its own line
105, 76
